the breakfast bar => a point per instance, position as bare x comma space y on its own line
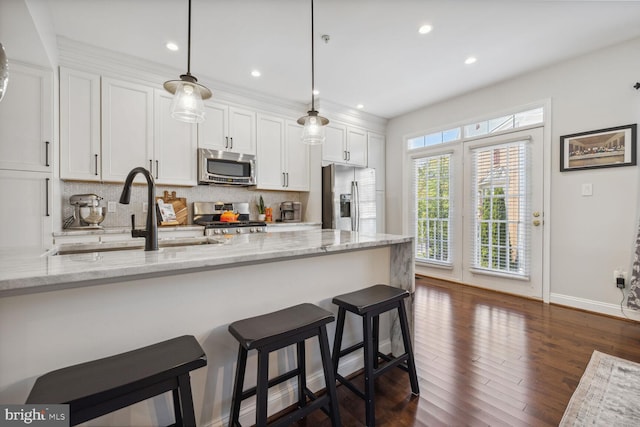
59, 310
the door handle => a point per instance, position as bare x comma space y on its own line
536, 214
536, 222
46, 154
96, 161
46, 196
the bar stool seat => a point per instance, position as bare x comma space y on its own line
370, 303
273, 331
96, 388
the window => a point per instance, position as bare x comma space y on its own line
432, 183
499, 179
485, 127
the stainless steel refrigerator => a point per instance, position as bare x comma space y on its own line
349, 198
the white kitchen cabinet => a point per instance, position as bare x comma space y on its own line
127, 128
26, 120
282, 159
345, 144
80, 156
376, 158
175, 145
28, 222
228, 128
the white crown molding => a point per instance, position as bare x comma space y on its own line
81, 56
351, 116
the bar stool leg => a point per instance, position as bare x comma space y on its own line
238, 385
337, 343
262, 388
369, 395
406, 338
376, 340
177, 411
302, 375
329, 377
186, 401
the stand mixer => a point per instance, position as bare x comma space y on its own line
87, 212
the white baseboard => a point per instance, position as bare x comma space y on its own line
287, 395
595, 306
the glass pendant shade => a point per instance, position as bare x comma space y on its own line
313, 130
187, 103
4, 72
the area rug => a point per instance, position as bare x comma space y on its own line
608, 394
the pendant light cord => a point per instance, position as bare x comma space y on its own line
313, 86
189, 43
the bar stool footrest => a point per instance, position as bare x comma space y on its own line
274, 381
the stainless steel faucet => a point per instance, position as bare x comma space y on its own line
150, 233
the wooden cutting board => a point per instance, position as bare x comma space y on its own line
179, 206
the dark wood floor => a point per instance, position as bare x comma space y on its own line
485, 358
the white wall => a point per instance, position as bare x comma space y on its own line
590, 236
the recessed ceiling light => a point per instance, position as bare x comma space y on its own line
424, 29
359, 106
470, 60
316, 92
172, 46
256, 73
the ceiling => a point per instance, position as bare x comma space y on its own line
375, 55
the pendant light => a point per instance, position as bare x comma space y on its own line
187, 103
313, 131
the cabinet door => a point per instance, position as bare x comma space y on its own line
297, 158
242, 131
213, 132
175, 145
376, 158
28, 222
269, 158
127, 128
356, 147
26, 120
80, 125
334, 147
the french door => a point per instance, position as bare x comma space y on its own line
502, 237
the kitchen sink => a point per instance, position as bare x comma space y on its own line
138, 244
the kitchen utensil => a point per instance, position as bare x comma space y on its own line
229, 216
87, 211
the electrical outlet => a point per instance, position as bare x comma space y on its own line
111, 207
619, 278
145, 207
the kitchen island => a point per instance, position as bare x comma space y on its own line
59, 310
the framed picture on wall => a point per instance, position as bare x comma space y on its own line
602, 148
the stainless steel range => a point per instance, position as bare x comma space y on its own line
235, 218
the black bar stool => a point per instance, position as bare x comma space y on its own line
96, 388
274, 331
370, 303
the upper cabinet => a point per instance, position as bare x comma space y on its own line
345, 144
26, 120
228, 128
175, 145
282, 159
109, 126
80, 156
127, 128
376, 157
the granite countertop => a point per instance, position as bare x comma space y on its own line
29, 271
119, 230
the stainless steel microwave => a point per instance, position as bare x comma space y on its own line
223, 167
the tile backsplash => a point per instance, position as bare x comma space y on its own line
200, 193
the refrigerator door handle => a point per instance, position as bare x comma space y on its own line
355, 202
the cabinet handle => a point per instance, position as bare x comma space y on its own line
287, 180
283, 179
151, 166
157, 168
344, 155
348, 155
226, 142
46, 154
231, 139
46, 196
96, 161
